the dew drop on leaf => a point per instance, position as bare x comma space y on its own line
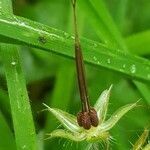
13, 63
108, 61
94, 58
24, 146
124, 66
133, 69
105, 42
22, 23
72, 37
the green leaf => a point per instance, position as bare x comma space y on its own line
102, 22
19, 101
102, 104
139, 43
107, 125
7, 140
65, 134
119, 11
29, 32
66, 119
4, 102
6, 7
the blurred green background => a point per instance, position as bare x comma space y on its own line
52, 79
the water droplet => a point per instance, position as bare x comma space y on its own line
24, 146
124, 66
148, 76
116, 116
72, 37
108, 61
133, 69
121, 70
13, 63
94, 58
105, 42
98, 62
22, 23
18, 105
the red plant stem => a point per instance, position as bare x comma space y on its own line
80, 66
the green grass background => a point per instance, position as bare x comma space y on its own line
115, 37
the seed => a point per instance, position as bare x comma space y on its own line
93, 117
83, 119
86, 122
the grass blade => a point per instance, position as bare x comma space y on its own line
6, 7
7, 140
102, 14
105, 27
29, 32
139, 43
19, 101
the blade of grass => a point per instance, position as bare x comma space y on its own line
119, 12
21, 112
104, 24
5, 106
6, 7
4, 102
29, 32
7, 140
139, 43
102, 14
19, 101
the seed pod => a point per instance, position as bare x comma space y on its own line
93, 117
86, 122
79, 119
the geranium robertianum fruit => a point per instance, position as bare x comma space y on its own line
91, 118
88, 116
76, 133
